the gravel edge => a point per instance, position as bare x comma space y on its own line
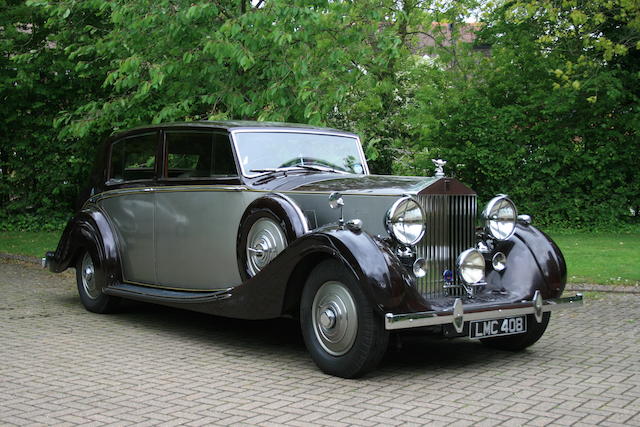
23, 258
586, 287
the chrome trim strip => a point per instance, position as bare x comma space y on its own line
498, 311
296, 207
163, 189
233, 133
137, 190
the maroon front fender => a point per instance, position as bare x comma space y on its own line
272, 292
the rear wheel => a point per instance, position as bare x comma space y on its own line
519, 342
342, 332
90, 280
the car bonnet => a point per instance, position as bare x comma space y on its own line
352, 184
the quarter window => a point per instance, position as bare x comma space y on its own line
133, 158
199, 154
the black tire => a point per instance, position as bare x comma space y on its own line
519, 342
358, 352
90, 285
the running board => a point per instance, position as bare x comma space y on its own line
149, 294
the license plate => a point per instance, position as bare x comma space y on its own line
498, 327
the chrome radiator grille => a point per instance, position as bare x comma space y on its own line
450, 224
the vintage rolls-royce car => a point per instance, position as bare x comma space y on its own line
259, 220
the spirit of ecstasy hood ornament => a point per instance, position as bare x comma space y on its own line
439, 167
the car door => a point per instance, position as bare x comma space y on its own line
199, 203
129, 203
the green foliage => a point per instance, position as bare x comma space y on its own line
550, 117
40, 173
593, 32
206, 61
565, 152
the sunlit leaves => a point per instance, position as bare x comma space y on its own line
565, 155
602, 30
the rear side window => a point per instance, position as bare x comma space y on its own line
199, 154
133, 158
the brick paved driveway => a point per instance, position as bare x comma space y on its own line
63, 365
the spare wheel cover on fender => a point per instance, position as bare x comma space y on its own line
268, 225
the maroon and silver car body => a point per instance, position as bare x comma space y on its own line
238, 218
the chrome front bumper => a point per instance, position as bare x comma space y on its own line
458, 315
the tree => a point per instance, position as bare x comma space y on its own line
554, 105
562, 147
37, 80
323, 62
93, 67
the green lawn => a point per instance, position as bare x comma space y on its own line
599, 258
28, 243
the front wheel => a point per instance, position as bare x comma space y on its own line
340, 328
519, 342
90, 280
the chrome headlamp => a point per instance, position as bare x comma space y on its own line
471, 266
500, 217
405, 221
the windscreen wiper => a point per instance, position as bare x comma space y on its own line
268, 171
269, 174
320, 168
285, 169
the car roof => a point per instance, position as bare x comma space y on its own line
231, 125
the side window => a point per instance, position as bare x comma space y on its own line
133, 158
199, 154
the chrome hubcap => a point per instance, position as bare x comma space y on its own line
328, 318
264, 242
88, 277
88, 274
335, 318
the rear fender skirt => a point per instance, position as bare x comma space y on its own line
88, 229
534, 262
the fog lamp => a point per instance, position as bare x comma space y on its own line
499, 261
420, 267
471, 266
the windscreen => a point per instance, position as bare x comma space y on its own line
268, 150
